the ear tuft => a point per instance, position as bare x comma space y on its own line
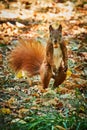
50, 28
60, 28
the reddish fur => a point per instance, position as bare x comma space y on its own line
32, 57
28, 56
59, 79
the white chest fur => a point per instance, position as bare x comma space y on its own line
57, 56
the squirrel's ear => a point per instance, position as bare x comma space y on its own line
50, 28
60, 28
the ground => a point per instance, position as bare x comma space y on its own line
25, 107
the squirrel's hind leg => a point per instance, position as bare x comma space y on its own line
45, 74
60, 77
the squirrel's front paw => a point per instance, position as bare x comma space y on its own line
54, 69
65, 68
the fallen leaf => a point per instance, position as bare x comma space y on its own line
69, 73
11, 101
60, 127
5, 111
35, 95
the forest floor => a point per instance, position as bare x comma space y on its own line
30, 108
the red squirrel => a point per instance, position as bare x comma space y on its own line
49, 62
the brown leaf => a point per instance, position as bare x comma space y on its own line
83, 55
63, 90
35, 95
0, 58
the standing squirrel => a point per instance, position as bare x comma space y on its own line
34, 58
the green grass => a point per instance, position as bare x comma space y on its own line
50, 121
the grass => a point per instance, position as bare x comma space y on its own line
51, 121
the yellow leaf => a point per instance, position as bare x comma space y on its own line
23, 110
68, 73
5, 111
60, 127
19, 74
11, 100
82, 108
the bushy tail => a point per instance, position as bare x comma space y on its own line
27, 56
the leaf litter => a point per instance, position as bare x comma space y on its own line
17, 99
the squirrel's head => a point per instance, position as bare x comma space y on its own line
55, 35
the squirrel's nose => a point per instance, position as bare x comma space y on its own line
55, 41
